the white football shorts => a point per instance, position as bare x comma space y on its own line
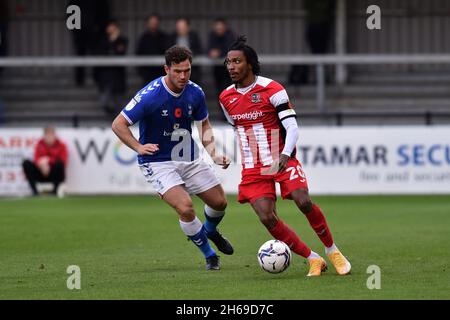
197, 176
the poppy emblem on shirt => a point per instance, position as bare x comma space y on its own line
256, 98
178, 113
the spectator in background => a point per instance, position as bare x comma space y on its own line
2, 112
112, 80
153, 42
4, 19
220, 39
185, 37
319, 27
50, 160
94, 18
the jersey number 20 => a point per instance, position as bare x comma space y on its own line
294, 172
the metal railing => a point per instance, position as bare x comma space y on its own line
318, 60
331, 118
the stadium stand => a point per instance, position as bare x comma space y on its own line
421, 90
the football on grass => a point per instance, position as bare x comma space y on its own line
274, 256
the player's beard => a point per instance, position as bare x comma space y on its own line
244, 75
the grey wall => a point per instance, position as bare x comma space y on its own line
408, 26
38, 27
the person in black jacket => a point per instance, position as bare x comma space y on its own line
220, 39
4, 21
94, 18
186, 37
318, 32
153, 41
112, 80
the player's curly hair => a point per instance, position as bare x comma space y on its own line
177, 54
249, 52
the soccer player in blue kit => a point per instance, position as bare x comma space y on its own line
168, 156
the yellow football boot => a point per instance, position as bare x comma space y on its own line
316, 267
340, 263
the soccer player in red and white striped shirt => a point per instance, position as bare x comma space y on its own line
266, 127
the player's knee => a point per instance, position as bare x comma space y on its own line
185, 209
305, 205
302, 200
220, 204
268, 220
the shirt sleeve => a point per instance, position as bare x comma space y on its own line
280, 100
200, 112
39, 151
290, 124
136, 109
63, 154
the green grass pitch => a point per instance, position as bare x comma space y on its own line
133, 248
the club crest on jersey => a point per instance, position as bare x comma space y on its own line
256, 98
189, 110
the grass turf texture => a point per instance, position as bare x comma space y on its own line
133, 248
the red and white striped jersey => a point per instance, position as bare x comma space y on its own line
256, 113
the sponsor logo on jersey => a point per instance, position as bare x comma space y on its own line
256, 97
165, 113
247, 116
233, 100
177, 132
131, 105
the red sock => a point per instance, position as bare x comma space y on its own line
319, 224
282, 232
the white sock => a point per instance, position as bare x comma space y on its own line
331, 249
213, 213
191, 228
313, 255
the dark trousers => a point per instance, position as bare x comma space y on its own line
3, 41
318, 36
33, 175
83, 42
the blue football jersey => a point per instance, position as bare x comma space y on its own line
165, 118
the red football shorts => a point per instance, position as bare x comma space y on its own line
256, 185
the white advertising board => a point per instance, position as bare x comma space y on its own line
336, 160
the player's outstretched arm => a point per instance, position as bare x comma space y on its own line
120, 127
207, 137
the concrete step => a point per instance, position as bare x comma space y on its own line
305, 104
373, 91
60, 114
44, 95
370, 91
373, 106
55, 106
407, 104
402, 78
